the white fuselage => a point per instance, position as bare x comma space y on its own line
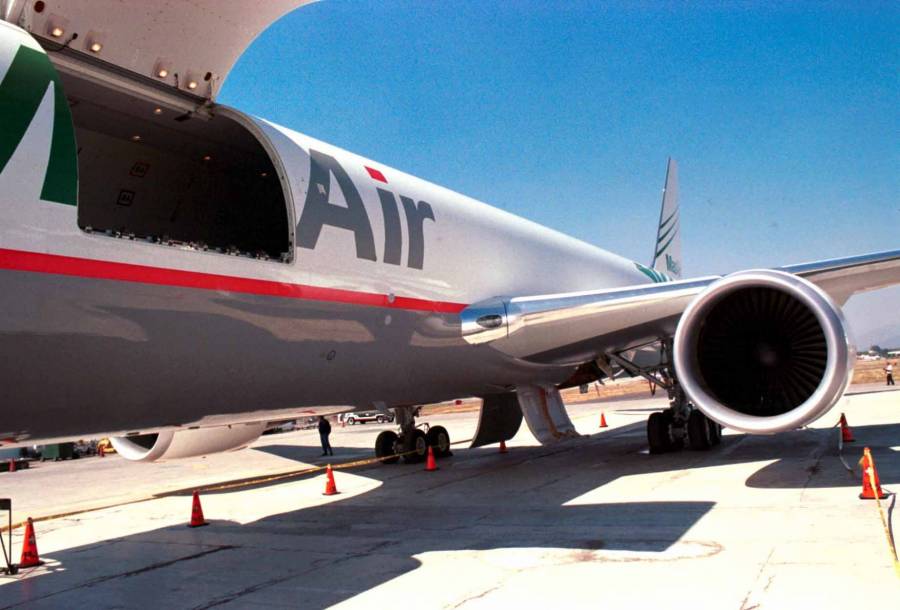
342, 324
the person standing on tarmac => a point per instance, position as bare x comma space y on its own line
889, 371
324, 431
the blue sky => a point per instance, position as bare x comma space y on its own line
784, 120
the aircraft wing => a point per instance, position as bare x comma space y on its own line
841, 278
572, 328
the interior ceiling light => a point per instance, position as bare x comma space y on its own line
93, 42
192, 84
136, 138
162, 67
206, 157
157, 110
264, 174
56, 26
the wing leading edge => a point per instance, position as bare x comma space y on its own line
841, 278
572, 328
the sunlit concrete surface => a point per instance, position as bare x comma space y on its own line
760, 522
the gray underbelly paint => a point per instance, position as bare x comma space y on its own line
87, 355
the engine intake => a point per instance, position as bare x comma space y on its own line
763, 352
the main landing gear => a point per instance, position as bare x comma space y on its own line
412, 442
682, 423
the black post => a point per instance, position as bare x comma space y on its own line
11, 568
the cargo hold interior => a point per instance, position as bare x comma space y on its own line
192, 180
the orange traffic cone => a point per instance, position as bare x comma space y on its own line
30, 556
12, 465
503, 447
330, 486
603, 420
100, 451
846, 433
197, 519
430, 464
871, 485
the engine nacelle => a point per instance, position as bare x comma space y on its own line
174, 444
763, 352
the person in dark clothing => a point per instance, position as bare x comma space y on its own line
324, 431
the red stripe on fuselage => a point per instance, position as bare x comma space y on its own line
36, 262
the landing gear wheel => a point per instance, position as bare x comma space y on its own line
715, 431
418, 444
385, 445
439, 438
699, 431
658, 436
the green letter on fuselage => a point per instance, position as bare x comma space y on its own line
21, 92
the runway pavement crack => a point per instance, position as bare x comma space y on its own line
479, 596
759, 574
816, 466
314, 565
247, 590
102, 579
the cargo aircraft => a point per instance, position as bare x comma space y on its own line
177, 274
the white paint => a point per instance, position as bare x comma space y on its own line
472, 251
193, 37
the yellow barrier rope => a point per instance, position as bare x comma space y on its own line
250, 482
870, 473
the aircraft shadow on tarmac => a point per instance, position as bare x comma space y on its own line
814, 459
800, 455
477, 501
310, 453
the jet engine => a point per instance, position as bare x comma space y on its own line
174, 444
763, 352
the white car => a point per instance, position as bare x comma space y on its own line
363, 417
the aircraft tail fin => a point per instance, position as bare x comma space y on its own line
667, 251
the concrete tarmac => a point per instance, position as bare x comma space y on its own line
759, 522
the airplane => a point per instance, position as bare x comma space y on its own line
175, 274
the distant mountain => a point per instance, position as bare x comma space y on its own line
874, 318
887, 336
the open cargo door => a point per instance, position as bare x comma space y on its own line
141, 164
188, 45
